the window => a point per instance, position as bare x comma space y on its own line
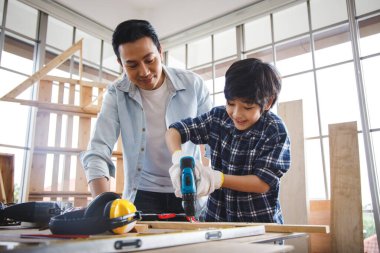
27, 25
290, 22
225, 44
257, 33
324, 13
199, 52
177, 57
332, 46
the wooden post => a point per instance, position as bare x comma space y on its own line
293, 196
83, 138
7, 174
346, 202
38, 168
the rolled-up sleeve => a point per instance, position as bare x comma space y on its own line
274, 159
96, 161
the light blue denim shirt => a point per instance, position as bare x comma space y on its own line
122, 113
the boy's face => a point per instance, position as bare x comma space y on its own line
141, 61
243, 114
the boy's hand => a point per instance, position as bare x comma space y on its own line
175, 172
208, 181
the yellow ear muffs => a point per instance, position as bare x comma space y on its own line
119, 208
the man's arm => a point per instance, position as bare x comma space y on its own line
99, 185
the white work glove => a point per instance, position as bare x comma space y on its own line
207, 180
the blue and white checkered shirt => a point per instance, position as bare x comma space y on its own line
263, 150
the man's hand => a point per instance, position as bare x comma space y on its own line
207, 179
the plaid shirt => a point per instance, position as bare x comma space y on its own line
263, 150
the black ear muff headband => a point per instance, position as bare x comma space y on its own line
92, 220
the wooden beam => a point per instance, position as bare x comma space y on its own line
55, 106
57, 61
74, 81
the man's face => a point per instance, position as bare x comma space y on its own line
244, 115
141, 61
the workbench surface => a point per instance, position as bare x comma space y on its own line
15, 240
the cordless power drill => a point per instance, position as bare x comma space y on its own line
188, 188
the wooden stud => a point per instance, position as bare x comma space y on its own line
84, 137
68, 143
38, 167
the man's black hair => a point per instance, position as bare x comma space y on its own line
132, 30
253, 81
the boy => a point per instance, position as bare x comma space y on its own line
250, 147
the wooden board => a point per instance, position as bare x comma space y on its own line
7, 174
269, 227
293, 194
41, 135
320, 215
346, 203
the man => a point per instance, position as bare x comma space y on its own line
139, 107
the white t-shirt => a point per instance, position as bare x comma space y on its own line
155, 174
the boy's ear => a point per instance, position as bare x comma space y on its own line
269, 104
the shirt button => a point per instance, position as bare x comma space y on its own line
139, 169
134, 189
143, 129
142, 149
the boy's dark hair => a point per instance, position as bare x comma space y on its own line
132, 30
253, 81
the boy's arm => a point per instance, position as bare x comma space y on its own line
248, 183
173, 140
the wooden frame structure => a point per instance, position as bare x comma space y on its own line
64, 113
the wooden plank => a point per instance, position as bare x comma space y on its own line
346, 203
269, 227
320, 215
57, 142
57, 61
74, 81
293, 184
68, 143
7, 175
60, 194
92, 106
55, 106
83, 139
119, 169
38, 166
